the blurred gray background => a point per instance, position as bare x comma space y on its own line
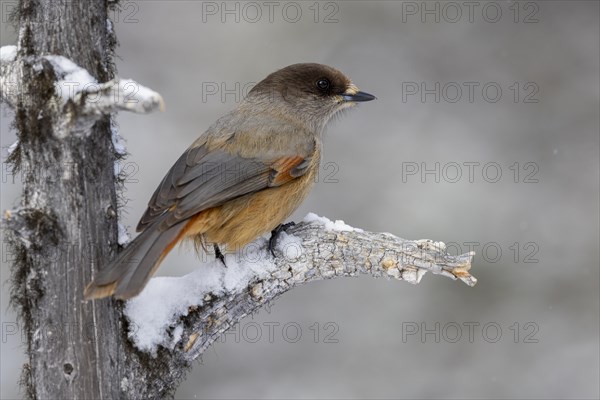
530, 328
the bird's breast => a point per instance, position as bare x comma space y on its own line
242, 220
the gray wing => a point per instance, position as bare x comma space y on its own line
203, 178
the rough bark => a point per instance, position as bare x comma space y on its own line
66, 225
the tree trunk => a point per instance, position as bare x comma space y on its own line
68, 207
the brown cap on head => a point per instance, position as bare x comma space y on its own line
310, 91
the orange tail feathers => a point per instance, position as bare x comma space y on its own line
127, 275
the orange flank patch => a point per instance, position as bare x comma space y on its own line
195, 225
283, 168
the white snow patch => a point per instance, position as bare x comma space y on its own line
290, 246
252, 261
12, 147
163, 301
166, 299
329, 225
74, 79
117, 141
177, 333
8, 53
124, 237
134, 93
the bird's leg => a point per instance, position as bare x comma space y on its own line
275, 234
218, 254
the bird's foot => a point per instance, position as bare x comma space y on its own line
219, 255
275, 234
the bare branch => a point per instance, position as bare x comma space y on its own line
212, 300
79, 98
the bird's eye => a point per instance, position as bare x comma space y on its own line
323, 84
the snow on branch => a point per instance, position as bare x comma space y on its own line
8, 77
75, 83
77, 94
184, 315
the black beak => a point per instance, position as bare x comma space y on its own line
359, 96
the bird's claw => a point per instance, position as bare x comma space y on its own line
275, 234
219, 255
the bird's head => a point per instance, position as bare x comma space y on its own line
311, 92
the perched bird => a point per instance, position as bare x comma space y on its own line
243, 177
